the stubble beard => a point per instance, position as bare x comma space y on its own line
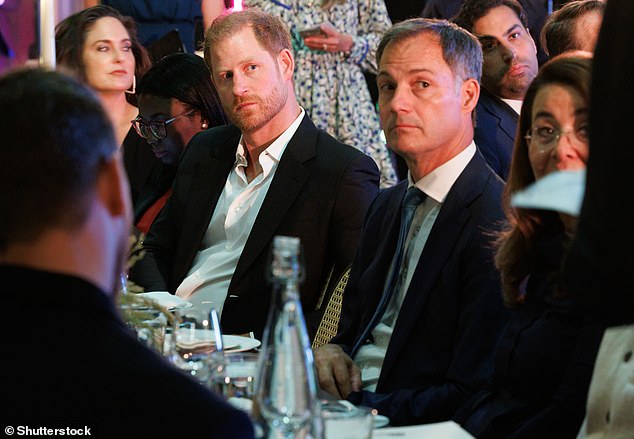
264, 112
517, 87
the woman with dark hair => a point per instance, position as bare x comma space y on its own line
100, 47
545, 357
176, 101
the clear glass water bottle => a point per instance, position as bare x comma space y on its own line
286, 395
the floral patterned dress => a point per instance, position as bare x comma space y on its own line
331, 86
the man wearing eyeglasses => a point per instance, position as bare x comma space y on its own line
271, 173
509, 65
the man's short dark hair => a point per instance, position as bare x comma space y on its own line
55, 136
557, 35
472, 10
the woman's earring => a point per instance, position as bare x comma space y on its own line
204, 125
133, 89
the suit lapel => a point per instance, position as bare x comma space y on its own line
381, 255
446, 230
208, 181
290, 176
505, 115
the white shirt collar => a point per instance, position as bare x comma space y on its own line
438, 182
275, 149
515, 104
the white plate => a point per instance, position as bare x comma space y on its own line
167, 300
242, 344
381, 421
233, 343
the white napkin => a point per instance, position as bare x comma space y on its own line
445, 430
167, 300
561, 191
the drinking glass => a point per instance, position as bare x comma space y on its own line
234, 378
151, 328
147, 321
198, 341
343, 420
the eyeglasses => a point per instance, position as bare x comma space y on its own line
155, 130
544, 138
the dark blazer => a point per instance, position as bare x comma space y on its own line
543, 363
71, 362
494, 134
155, 189
320, 193
142, 168
442, 346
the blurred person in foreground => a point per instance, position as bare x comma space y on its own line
100, 47
544, 361
176, 101
64, 231
598, 268
270, 173
419, 325
508, 67
573, 27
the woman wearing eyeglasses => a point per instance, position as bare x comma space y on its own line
176, 101
100, 46
545, 357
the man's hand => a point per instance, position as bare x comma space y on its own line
336, 372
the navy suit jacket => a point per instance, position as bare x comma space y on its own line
320, 193
443, 342
494, 134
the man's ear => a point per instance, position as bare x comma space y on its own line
112, 187
286, 63
470, 93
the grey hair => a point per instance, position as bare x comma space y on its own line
460, 49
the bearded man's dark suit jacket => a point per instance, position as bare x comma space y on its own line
320, 193
443, 342
494, 134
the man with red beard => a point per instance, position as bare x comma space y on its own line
270, 173
509, 65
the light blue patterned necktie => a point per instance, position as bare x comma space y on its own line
413, 197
